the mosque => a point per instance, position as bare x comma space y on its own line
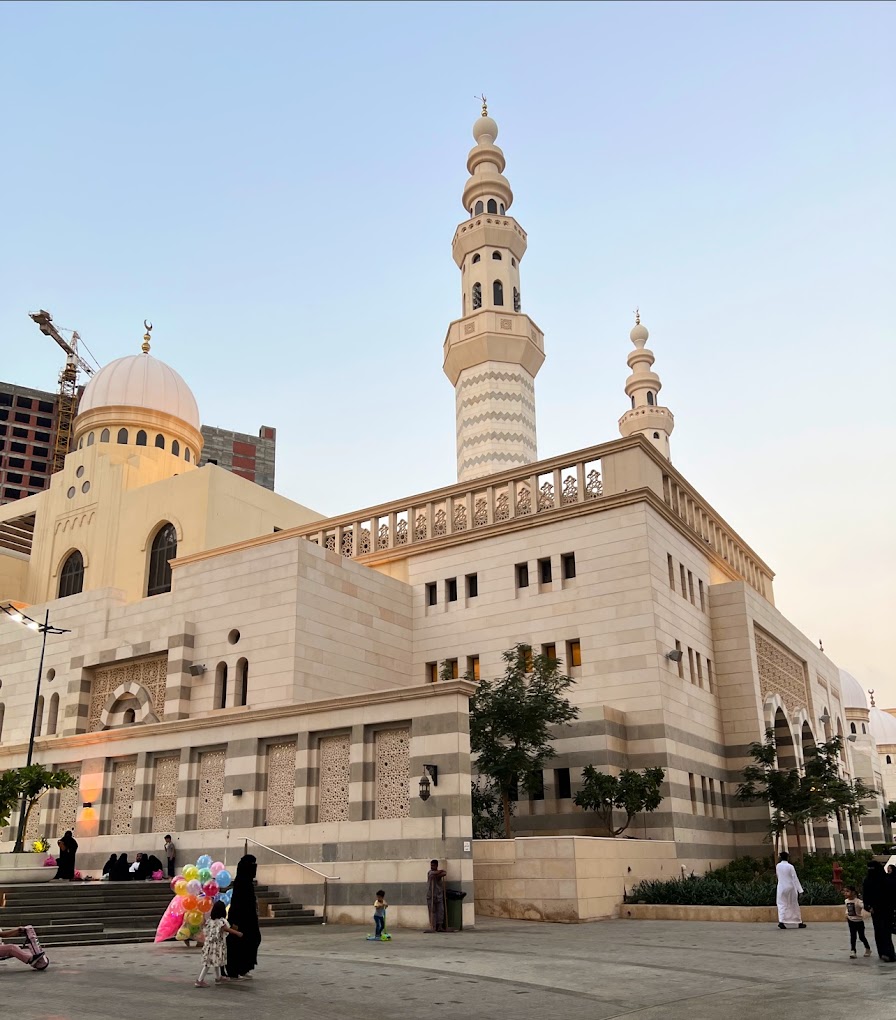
234, 666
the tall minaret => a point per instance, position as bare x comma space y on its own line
494, 352
646, 417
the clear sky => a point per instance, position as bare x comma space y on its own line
276, 187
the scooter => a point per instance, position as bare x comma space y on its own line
39, 959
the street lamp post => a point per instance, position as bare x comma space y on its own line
44, 629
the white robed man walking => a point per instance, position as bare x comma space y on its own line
788, 894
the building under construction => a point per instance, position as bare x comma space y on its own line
29, 431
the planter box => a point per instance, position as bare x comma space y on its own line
766, 915
18, 868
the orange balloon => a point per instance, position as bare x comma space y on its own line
205, 904
190, 903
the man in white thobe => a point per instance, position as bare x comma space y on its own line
787, 897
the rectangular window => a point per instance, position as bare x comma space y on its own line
712, 797
724, 810
451, 589
538, 792
16, 462
14, 478
693, 793
699, 669
472, 586
18, 447
684, 583
6, 398
680, 659
692, 671
39, 465
40, 451
432, 672
23, 402
549, 652
452, 669
45, 406
432, 594
522, 575
562, 784
529, 661
35, 481
20, 433
473, 666
11, 494
574, 653
709, 673
706, 808
45, 423
20, 416
568, 565
41, 437
544, 570
702, 595
691, 588
670, 563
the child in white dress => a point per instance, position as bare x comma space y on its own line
214, 951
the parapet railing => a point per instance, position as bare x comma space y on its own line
327, 878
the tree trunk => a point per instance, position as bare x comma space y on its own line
505, 803
799, 845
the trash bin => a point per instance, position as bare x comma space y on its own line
454, 908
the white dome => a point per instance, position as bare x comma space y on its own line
140, 380
883, 726
852, 694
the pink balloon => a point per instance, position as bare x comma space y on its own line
215, 868
171, 921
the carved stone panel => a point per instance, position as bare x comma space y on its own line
780, 672
334, 772
67, 805
164, 800
280, 808
211, 790
124, 778
150, 674
393, 771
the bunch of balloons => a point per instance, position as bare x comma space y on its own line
195, 890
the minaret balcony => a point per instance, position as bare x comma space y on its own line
650, 416
486, 230
493, 335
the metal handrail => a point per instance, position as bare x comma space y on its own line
327, 878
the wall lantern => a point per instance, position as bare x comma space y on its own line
429, 772
87, 804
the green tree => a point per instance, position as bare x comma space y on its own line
890, 811
488, 814
10, 792
511, 719
33, 782
630, 791
798, 797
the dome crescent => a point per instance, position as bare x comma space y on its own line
141, 380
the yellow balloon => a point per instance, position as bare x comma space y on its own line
191, 872
183, 933
180, 887
193, 918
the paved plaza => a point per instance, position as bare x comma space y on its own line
644, 969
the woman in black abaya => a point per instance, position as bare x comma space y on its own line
242, 953
68, 847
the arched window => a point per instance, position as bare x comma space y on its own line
90, 439
492, 205
160, 441
513, 262
221, 685
104, 436
477, 296
476, 258
81, 443
863, 729
656, 435
633, 400
650, 397
852, 727
496, 255
71, 577
501, 209
39, 718
479, 207
123, 437
141, 438
162, 551
889, 759
187, 454
517, 304
130, 716
175, 448
53, 717
242, 681
498, 292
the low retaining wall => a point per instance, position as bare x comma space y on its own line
675, 912
564, 878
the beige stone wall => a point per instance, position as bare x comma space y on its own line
564, 878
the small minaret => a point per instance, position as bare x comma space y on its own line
492, 353
646, 417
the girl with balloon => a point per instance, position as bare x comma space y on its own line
196, 890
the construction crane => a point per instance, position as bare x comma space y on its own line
68, 383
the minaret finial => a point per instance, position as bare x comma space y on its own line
484, 102
146, 338
871, 692
637, 316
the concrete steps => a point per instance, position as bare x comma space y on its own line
114, 913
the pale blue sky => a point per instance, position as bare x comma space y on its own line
276, 187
